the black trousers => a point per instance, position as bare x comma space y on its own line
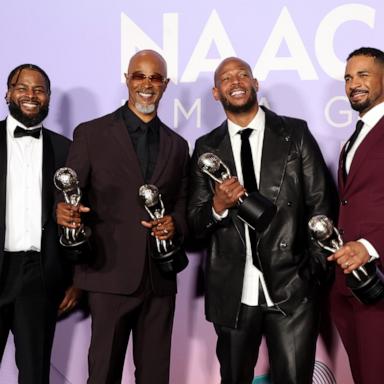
114, 317
29, 313
291, 341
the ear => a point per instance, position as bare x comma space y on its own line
126, 78
215, 93
7, 97
256, 84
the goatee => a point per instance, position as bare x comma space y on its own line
28, 121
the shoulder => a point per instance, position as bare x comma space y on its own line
177, 138
213, 137
57, 138
101, 122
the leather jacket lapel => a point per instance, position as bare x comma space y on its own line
276, 147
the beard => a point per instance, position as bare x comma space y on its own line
252, 100
361, 107
28, 121
145, 109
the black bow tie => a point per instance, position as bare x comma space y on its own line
21, 132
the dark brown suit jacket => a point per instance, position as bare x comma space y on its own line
103, 156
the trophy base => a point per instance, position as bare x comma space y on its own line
173, 261
371, 288
257, 211
81, 239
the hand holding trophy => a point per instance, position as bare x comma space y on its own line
255, 210
65, 180
367, 282
169, 256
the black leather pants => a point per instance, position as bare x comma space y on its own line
291, 342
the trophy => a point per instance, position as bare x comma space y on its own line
169, 256
255, 210
367, 283
65, 180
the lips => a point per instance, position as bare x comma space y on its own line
357, 94
237, 93
145, 95
29, 105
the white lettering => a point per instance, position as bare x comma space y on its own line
178, 106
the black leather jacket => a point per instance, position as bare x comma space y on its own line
294, 176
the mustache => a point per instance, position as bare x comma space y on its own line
357, 90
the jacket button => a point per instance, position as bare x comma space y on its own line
289, 203
344, 202
283, 245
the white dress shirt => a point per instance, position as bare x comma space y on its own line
370, 119
23, 191
252, 275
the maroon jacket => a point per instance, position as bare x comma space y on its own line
103, 156
362, 197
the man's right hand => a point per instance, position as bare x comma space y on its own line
68, 215
227, 194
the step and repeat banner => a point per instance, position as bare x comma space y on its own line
297, 51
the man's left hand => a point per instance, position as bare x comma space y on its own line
70, 300
350, 256
162, 229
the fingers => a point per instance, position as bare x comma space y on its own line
351, 256
70, 300
227, 194
162, 228
68, 215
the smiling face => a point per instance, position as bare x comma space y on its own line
364, 83
146, 81
235, 87
28, 97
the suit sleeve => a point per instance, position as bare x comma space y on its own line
78, 156
179, 211
200, 215
320, 193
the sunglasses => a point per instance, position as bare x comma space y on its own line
155, 79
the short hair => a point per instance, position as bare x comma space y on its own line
370, 52
33, 67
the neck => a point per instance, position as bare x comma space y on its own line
242, 119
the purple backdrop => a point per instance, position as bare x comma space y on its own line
297, 52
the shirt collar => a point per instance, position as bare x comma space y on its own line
372, 117
12, 123
257, 123
134, 122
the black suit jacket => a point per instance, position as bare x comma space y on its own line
55, 268
104, 158
294, 177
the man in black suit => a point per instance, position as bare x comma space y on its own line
33, 274
113, 156
260, 283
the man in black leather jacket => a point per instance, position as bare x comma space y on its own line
271, 290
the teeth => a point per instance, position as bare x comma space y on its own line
145, 95
237, 93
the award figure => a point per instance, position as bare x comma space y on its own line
255, 209
367, 282
168, 256
65, 180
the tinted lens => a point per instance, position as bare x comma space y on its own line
155, 79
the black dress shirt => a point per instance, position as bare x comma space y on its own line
145, 140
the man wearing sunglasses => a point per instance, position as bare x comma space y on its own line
113, 156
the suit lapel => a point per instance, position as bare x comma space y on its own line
120, 135
3, 175
276, 146
364, 149
165, 148
48, 170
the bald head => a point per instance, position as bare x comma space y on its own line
228, 62
148, 55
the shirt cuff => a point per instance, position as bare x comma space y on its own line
219, 217
370, 248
